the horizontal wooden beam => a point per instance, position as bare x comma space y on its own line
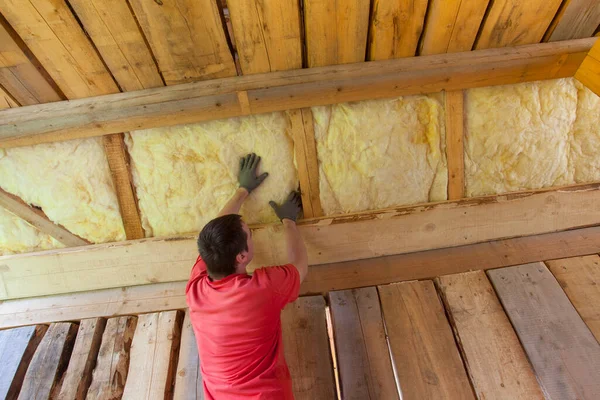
328, 240
320, 278
286, 90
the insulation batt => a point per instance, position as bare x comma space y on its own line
381, 153
530, 136
17, 236
70, 181
185, 174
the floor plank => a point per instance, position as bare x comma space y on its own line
16, 350
112, 365
78, 376
306, 348
188, 381
495, 360
426, 358
49, 362
153, 356
564, 353
579, 277
363, 357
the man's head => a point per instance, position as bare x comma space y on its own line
225, 245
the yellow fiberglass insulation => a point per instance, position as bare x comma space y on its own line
185, 174
380, 153
531, 135
17, 236
70, 181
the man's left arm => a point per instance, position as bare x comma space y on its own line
248, 182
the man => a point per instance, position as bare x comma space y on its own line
236, 316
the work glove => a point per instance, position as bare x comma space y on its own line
247, 177
290, 208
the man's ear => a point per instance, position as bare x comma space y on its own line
241, 258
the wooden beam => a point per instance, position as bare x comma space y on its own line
39, 220
288, 90
588, 72
328, 239
455, 127
320, 278
577, 19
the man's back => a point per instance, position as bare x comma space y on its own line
237, 325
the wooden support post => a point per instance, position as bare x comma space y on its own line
588, 72
455, 115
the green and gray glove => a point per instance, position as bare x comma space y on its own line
247, 177
290, 208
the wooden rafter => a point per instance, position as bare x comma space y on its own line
287, 90
588, 72
454, 144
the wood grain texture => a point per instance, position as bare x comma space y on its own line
588, 72
455, 132
495, 360
188, 381
452, 25
335, 31
578, 19
513, 23
396, 26
564, 353
428, 364
18, 75
286, 90
306, 348
49, 362
16, 350
78, 376
267, 35
579, 277
112, 364
38, 219
305, 154
187, 39
6, 100
363, 357
115, 33
154, 356
118, 162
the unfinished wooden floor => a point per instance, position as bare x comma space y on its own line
523, 332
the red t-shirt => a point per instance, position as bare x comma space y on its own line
237, 325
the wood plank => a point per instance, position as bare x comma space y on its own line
335, 32
55, 38
38, 219
286, 90
580, 279
428, 364
188, 381
112, 365
362, 352
115, 33
49, 362
588, 72
154, 356
455, 127
486, 339
6, 100
16, 350
328, 239
187, 39
396, 26
18, 75
564, 353
306, 348
579, 19
452, 25
320, 279
305, 148
267, 35
118, 162
78, 376
514, 23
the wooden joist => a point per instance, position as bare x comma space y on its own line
188, 378
486, 339
286, 90
588, 72
38, 219
455, 129
562, 350
328, 239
